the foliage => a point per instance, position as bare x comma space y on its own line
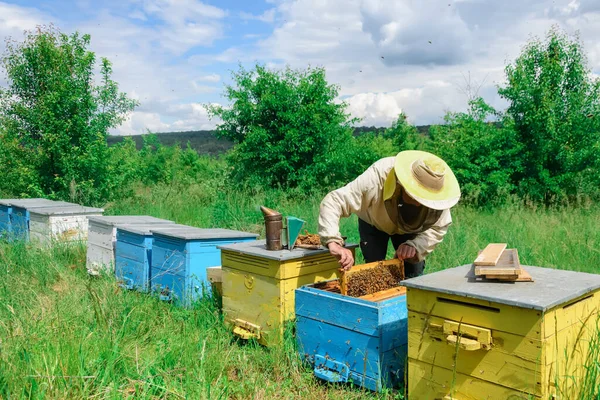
58, 116
288, 128
405, 136
484, 156
555, 105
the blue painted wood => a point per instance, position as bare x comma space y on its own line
370, 338
179, 265
19, 223
133, 256
5, 227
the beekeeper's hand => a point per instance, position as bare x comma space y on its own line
343, 255
405, 252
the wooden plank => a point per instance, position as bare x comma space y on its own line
490, 255
508, 264
385, 294
214, 274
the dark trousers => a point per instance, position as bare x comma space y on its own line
374, 244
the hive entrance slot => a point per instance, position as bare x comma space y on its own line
465, 304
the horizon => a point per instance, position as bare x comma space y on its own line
421, 58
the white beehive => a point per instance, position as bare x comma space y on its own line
102, 233
64, 224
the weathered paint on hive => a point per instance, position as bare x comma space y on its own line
63, 223
370, 338
260, 291
180, 258
133, 254
102, 236
535, 342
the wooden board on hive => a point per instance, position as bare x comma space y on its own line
490, 255
508, 265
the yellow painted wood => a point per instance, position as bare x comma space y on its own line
277, 269
571, 313
476, 312
261, 292
426, 381
481, 335
512, 361
542, 354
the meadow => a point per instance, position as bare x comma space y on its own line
64, 334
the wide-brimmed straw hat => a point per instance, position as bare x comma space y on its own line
425, 177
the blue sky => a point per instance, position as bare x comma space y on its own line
423, 57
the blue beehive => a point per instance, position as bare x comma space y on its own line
133, 255
352, 339
14, 215
180, 258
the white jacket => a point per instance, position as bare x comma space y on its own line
364, 197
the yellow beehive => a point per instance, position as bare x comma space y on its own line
469, 339
259, 285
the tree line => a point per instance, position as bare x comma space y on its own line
290, 132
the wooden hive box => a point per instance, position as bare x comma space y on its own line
133, 254
63, 224
14, 215
102, 235
470, 339
259, 286
181, 256
362, 340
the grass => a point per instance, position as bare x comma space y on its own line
66, 335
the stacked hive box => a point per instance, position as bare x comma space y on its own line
470, 339
353, 339
65, 224
14, 215
102, 232
133, 251
181, 256
259, 285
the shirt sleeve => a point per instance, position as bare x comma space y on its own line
426, 241
343, 202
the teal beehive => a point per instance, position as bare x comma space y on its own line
181, 256
348, 339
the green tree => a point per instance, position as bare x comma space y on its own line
485, 156
555, 105
404, 135
59, 115
287, 127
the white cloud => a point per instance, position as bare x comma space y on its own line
268, 16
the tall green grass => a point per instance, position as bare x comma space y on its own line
64, 334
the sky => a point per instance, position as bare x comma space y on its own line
420, 57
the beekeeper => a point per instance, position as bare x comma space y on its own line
406, 198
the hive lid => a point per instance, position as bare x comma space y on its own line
66, 210
35, 203
146, 229
258, 248
192, 233
550, 287
115, 220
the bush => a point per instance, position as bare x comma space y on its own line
58, 118
484, 156
287, 126
555, 105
